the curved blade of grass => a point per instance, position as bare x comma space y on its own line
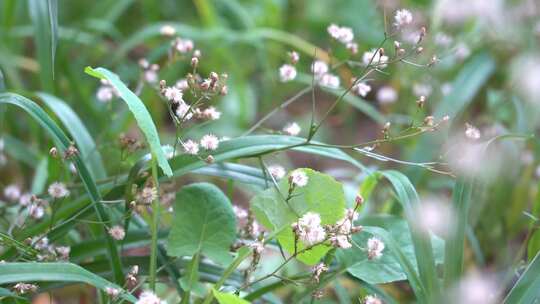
40, 176
527, 288
143, 118
79, 133
20, 151
39, 14
455, 242
55, 272
62, 143
408, 198
53, 21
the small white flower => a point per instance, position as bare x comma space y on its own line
105, 93
148, 297
212, 113
191, 147
342, 34
299, 178
112, 292
25, 199
402, 18
287, 72
210, 142
341, 241
183, 111
294, 57
12, 192
319, 67
23, 288
372, 299
63, 251
36, 211
278, 172
443, 40
422, 89
174, 94
292, 129
387, 95
258, 247
309, 229
472, 132
167, 30
40, 243
117, 232
362, 89
184, 45
378, 60
150, 76
58, 190
462, 51
375, 248
330, 81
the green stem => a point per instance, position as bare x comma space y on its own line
154, 228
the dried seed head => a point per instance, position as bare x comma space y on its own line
71, 151
421, 101
429, 121
53, 152
419, 50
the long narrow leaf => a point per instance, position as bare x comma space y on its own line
55, 272
527, 288
143, 118
39, 14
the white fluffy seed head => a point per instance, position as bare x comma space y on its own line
148, 297
191, 147
117, 232
58, 190
299, 178
319, 68
278, 172
402, 18
375, 248
12, 192
209, 142
309, 230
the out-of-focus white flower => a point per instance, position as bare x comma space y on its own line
372, 299
309, 229
342, 34
150, 76
526, 76
25, 199
402, 18
63, 251
58, 190
183, 111
212, 113
292, 129
434, 215
184, 45
319, 67
278, 172
375, 248
443, 39
299, 178
112, 292
191, 147
387, 95
167, 30
40, 243
378, 60
36, 211
362, 89
472, 132
258, 247
341, 241
117, 232
174, 94
209, 142
446, 88
182, 84
148, 297
240, 213
475, 288
287, 72
330, 81
12, 192
105, 93
459, 11
422, 89
294, 56
147, 195
462, 51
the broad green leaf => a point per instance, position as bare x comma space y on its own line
55, 272
322, 195
142, 116
527, 288
204, 223
386, 269
228, 298
455, 241
78, 131
62, 142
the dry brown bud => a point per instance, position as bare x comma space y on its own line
53, 152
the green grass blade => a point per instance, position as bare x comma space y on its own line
39, 14
455, 242
79, 133
63, 142
142, 116
423, 249
55, 272
40, 176
527, 288
53, 22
